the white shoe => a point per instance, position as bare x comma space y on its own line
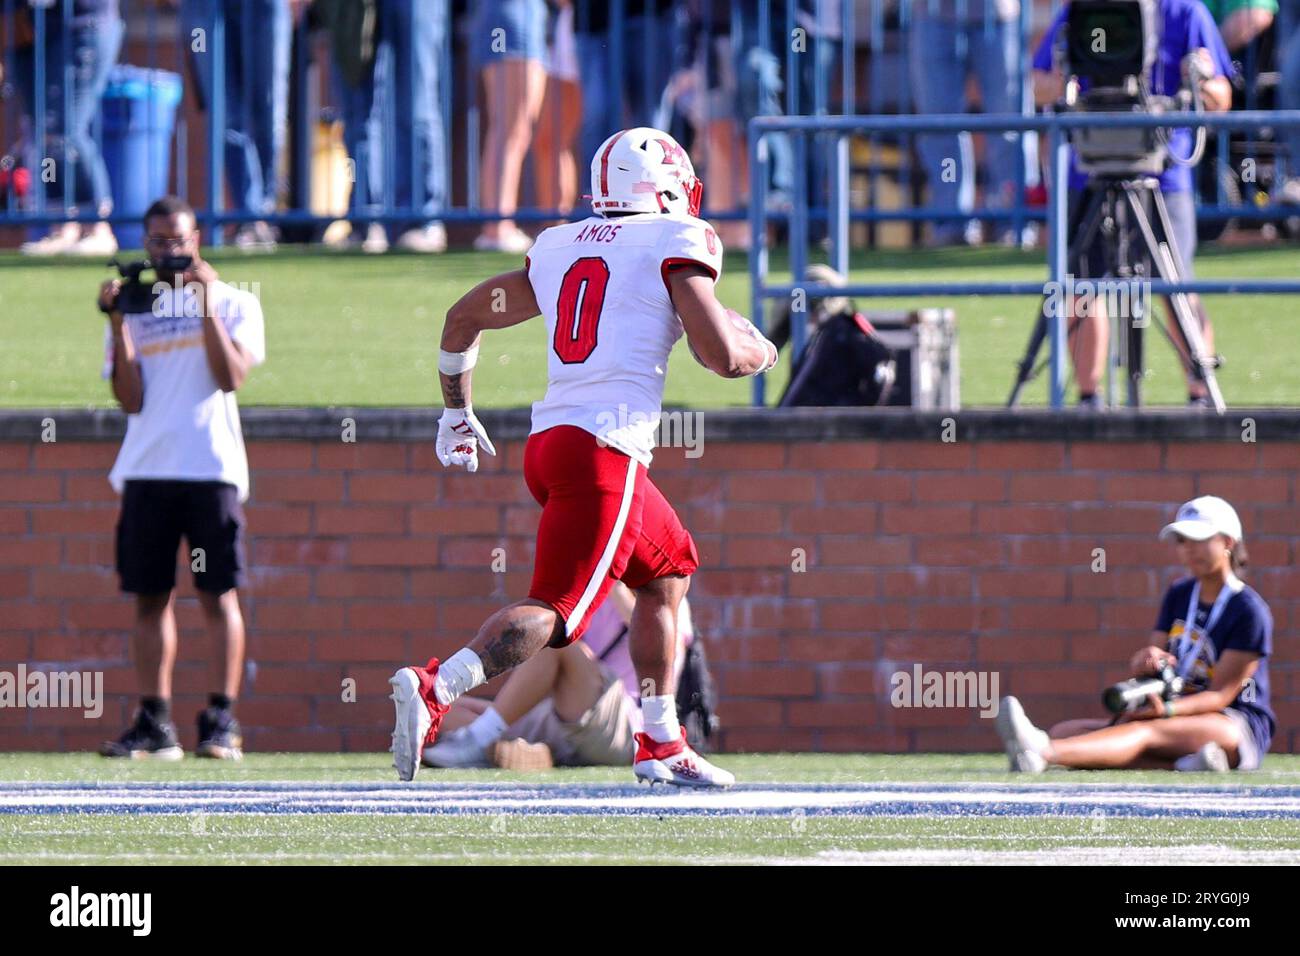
456, 749
417, 716
514, 241
1025, 744
255, 237
430, 239
58, 242
337, 234
375, 242
1211, 758
99, 242
676, 763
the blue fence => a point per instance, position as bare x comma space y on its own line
1055, 126
748, 57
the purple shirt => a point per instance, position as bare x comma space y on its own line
1187, 26
606, 638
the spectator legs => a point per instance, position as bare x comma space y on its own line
415, 39
514, 89
995, 54
153, 646
557, 171
642, 77
728, 177
94, 48
598, 122
1289, 99
70, 114
258, 37
649, 64
268, 46
360, 130
939, 66
225, 624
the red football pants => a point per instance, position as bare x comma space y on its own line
603, 520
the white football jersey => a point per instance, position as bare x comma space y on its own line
602, 285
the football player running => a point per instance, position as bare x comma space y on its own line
617, 290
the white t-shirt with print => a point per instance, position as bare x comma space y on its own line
187, 428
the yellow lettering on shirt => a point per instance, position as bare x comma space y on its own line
171, 345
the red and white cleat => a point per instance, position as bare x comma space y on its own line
676, 763
418, 716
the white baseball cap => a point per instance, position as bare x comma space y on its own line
1202, 518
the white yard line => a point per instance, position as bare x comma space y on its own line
1034, 800
1183, 855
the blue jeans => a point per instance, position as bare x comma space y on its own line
819, 61
641, 74
93, 46
400, 96
258, 34
942, 54
1288, 91
760, 95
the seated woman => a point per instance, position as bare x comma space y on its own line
1217, 634
576, 706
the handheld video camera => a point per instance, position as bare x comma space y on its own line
1132, 694
136, 294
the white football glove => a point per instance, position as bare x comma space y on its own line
460, 434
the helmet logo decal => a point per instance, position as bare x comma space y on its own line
674, 155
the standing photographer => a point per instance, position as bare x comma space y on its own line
1214, 635
1192, 51
175, 358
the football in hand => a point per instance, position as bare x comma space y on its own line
738, 320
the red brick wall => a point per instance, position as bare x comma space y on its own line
973, 555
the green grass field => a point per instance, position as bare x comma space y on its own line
596, 816
357, 330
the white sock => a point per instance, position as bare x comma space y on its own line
487, 728
1188, 763
458, 674
659, 714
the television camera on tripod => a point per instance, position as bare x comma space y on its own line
1114, 60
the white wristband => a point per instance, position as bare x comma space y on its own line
454, 363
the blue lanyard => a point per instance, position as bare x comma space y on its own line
1231, 586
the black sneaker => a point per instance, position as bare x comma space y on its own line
219, 735
147, 739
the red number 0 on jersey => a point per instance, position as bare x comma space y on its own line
577, 313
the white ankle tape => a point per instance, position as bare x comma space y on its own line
457, 675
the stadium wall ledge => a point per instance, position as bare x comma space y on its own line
731, 424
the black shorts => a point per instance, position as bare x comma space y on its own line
1096, 257
156, 514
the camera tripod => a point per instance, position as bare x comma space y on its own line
1115, 206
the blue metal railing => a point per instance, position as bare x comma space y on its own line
1056, 127
846, 35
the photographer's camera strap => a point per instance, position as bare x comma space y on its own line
1230, 587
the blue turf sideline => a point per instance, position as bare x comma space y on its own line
822, 800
